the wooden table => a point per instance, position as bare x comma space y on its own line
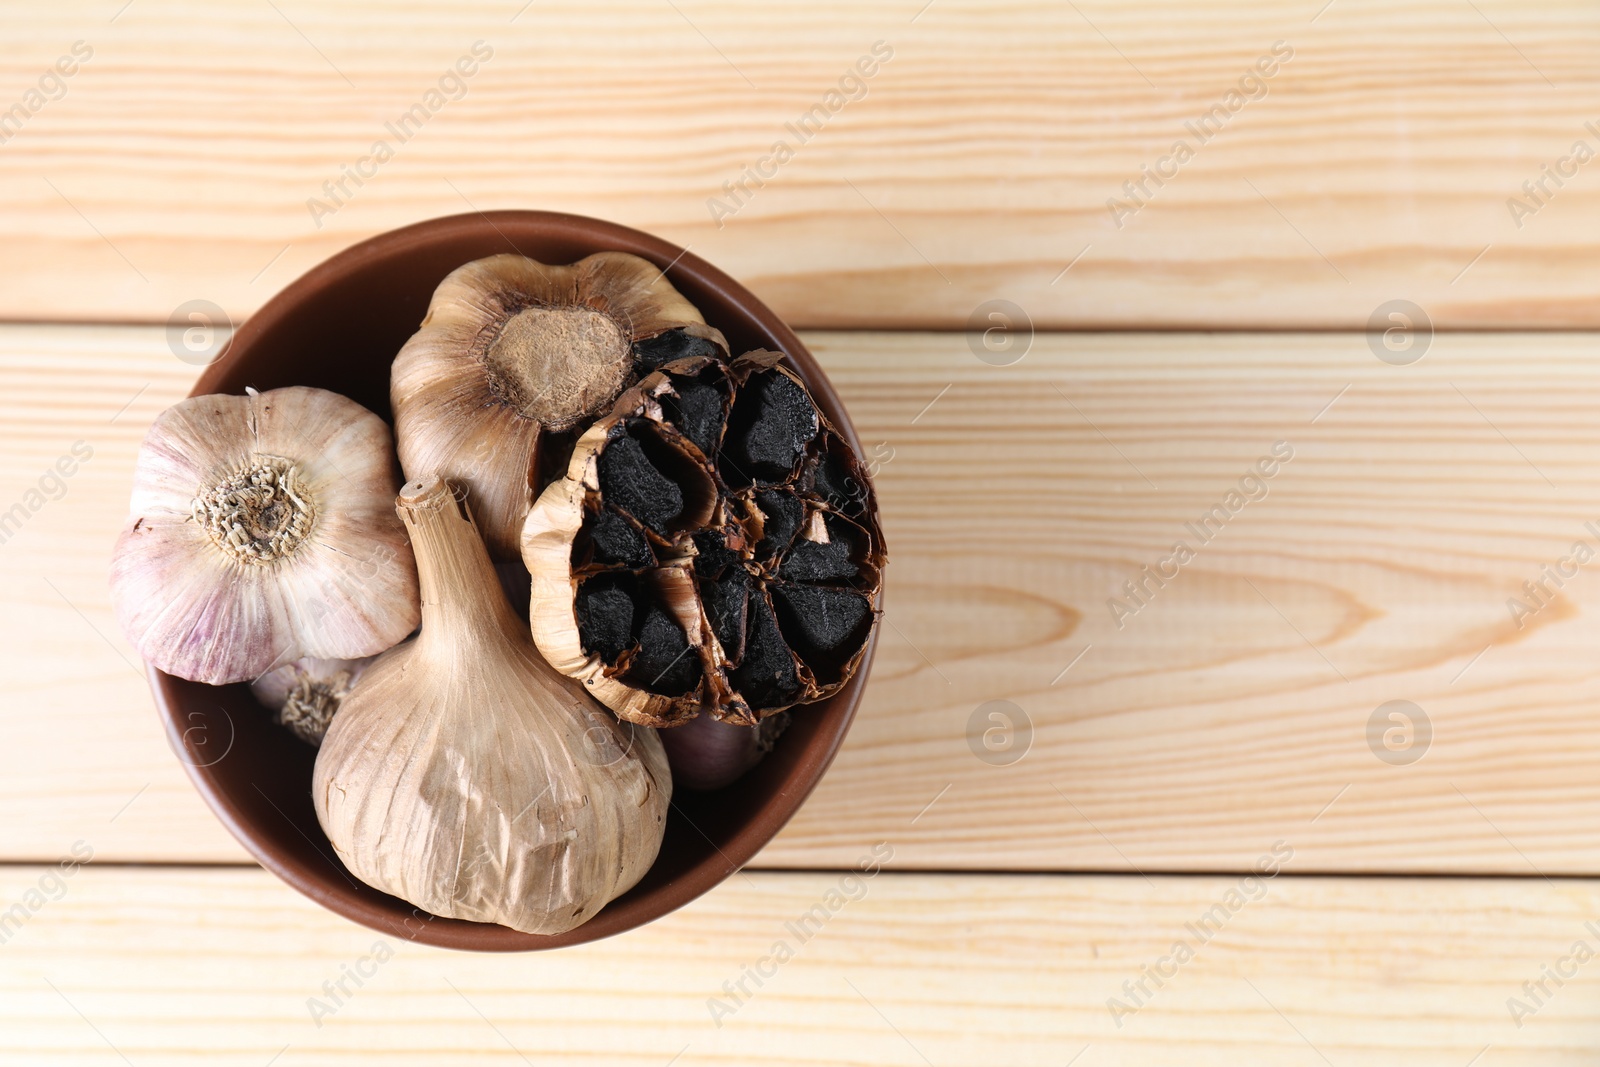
1371, 674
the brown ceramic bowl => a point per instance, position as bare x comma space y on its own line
339, 327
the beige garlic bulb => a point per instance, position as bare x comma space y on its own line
466, 776
261, 531
512, 348
306, 694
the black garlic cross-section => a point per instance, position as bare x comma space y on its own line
714, 548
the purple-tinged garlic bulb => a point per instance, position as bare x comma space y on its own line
261, 531
706, 753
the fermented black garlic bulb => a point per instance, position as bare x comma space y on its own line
714, 548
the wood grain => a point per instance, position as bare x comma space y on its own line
978, 164
1230, 712
227, 966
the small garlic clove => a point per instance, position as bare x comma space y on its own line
306, 694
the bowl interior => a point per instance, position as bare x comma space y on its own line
338, 328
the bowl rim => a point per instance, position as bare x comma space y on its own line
729, 856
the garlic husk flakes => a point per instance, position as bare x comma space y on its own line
511, 348
466, 776
261, 531
306, 694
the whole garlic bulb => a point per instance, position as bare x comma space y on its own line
463, 774
262, 531
512, 349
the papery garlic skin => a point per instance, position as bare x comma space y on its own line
512, 348
467, 777
261, 531
306, 694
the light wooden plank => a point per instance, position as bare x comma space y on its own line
1230, 712
227, 966
1379, 164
